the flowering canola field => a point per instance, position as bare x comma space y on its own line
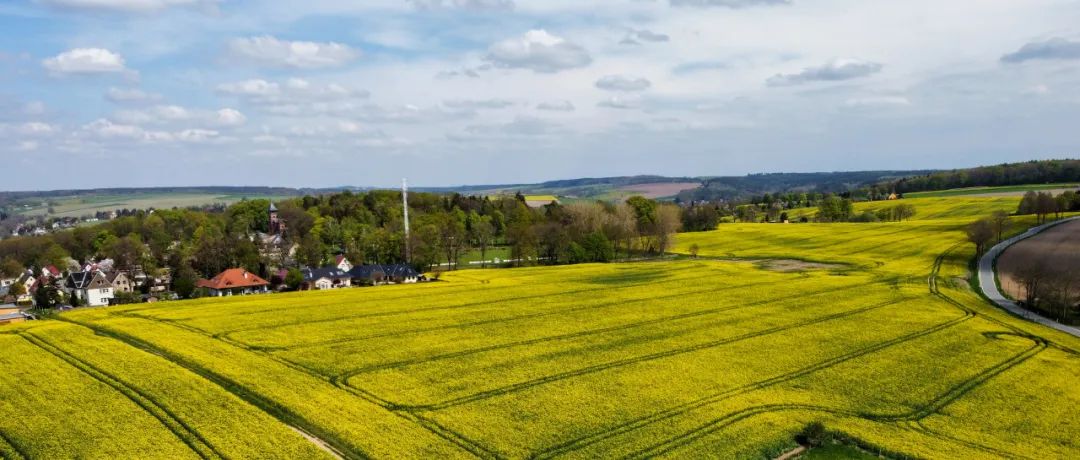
870, 329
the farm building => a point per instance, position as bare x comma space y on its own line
235, 281
383, 274
91, 287
401, 274
325, 278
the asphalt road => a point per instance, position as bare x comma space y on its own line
988, 284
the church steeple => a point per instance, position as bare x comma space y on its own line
275, 224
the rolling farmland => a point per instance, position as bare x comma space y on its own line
721, 356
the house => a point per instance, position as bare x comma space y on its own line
342, 263
401, 273
325, 278
52, 272
90, 287
368, 275
120, 281
235, 281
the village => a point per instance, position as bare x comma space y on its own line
97, 283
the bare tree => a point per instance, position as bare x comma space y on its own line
1001, 223
980, 232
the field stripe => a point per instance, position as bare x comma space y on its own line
281, 413
9, 450
475, 304
586, 333
638, 359
178, 427
680, 409
553, 312
930, 407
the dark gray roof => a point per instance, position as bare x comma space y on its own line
332, 272
86, 280
400, 271
367, 271
15, 315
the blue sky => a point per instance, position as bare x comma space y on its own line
108, 93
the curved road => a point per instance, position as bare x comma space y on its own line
988, 281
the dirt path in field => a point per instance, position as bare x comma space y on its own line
318, 442
988, 279
1059, 245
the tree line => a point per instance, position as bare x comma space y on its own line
366, 227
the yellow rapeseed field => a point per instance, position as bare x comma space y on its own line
871, 329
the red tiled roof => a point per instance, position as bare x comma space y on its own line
233, 278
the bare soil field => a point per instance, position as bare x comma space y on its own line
659, 190
1058, 247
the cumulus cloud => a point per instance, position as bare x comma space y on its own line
295, 96
556, 106
135, 6
539, 51
836, 70
85, 61
230, 117
622, 83
131, 96
636, 37
1053, 49
478, 5
734, 4
477, 104
616, 102
877, 101
269, 51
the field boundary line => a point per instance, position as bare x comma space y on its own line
638, 359
474, 304
931, 407
419, 361
553, 312
284, 415
677, 410
9, 450
184, 432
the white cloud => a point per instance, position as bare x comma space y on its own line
477, 104
835, 70
137, 6
269, 51
622, 83
498, 5
636, 37
877, 101
131, 96
85, 61
296, 97
539, 51
556, 106
616, 102
728, 3
230, 117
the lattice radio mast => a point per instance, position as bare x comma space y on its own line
405, 207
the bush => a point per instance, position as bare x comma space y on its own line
814, 435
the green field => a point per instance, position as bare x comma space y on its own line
723, 356
78, 206
990, 190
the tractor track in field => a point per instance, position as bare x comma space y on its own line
627, 326
326, 442
511, 318
184, 432
635, 360
9, 450
681, 409
915, 416
476, 304
919, 427
933, 406
295, 421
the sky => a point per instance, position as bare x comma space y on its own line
322, 93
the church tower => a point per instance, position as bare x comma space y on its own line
275, 223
